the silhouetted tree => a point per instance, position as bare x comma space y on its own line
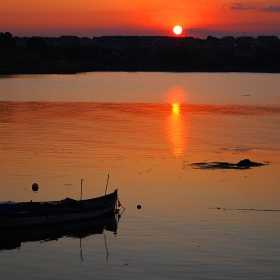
37, 45
6, 40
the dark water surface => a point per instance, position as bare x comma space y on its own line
193, 224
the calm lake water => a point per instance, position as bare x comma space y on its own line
146, 130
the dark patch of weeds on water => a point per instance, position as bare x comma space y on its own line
241, 165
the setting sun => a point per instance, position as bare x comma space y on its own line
177, 30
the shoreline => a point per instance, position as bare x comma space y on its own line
73, 72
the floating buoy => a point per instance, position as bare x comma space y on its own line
35, 187
138, 206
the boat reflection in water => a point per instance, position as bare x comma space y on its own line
12, 238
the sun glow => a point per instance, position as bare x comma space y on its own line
177, 30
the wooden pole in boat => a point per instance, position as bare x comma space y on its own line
107, 184
81, 189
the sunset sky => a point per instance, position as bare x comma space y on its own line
199, 18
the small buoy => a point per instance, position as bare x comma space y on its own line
138, 206
35, 187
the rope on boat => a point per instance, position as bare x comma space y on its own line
119, 204
118, 210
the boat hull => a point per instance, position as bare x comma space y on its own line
60, 213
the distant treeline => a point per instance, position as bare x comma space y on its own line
71, 54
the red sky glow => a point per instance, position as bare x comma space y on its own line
198, 18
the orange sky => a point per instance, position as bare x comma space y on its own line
199, 18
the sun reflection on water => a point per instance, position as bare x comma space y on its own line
176, 124
176, 108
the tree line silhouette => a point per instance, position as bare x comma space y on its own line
45, 55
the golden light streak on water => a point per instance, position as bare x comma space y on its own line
176, 124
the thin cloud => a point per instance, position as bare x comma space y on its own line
223, 8
239, 6
178, 7
236, 7
271, 9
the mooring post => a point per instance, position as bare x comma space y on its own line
107, 184
81, 189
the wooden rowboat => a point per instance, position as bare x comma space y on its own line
26, 214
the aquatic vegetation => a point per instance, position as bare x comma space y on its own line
242, 164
